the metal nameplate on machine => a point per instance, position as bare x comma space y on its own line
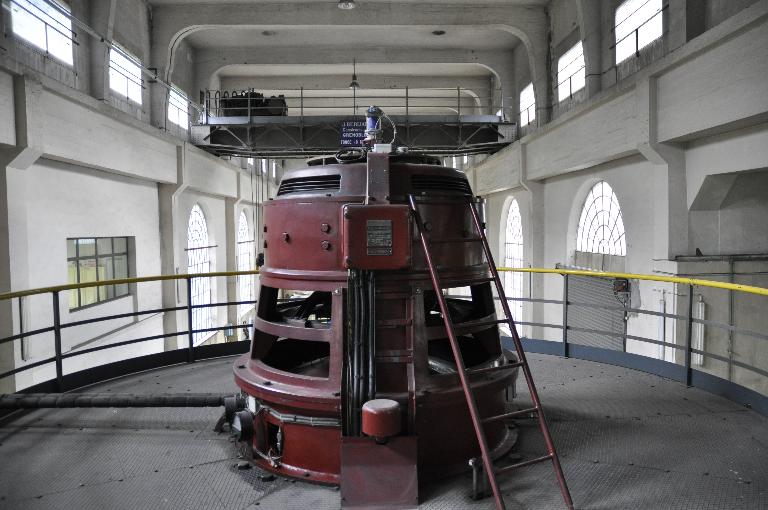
387, 233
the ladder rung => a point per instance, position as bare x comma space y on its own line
523, 464
504, 416
455, 240
494, 369
475, 324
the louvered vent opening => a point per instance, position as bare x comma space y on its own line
440, 184
309, 184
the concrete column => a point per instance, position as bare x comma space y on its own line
14, 270
102, 16
590, 21
539, 62
231, 223
670, 188
675, 21
170, 239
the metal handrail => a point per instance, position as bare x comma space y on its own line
761, 291
686, 317
122, 281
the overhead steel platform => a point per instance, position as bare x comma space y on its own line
254, 125
317, 135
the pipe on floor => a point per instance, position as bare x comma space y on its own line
60, 400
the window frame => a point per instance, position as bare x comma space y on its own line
589, 213
514, 256
174, 102
245, 250
118, 50
100, 288
636, 30
36, 46
203, 317
527, 109
562, 68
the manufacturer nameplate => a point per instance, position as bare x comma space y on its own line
379, 237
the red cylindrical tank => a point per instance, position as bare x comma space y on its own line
339, 239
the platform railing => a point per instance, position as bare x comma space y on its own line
458, 101
189, 346
686, 346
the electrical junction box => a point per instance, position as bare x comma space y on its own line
376, 237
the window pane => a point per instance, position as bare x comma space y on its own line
527, 105
26, 25
601, 227
71, 250
121, 266
104, 245
643, 16
570, 72
177, 108
125, 75
60, 45
121, 245
89, 295
72, 279
105, 268
87, 247
43, 26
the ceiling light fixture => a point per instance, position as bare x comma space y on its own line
346, 4
354, 85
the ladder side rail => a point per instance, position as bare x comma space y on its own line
521, 357
460, 367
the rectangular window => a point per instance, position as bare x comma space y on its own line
527, 105
250, 161
125, 75
274, 170
95, 259
571, 72
263, 167
638, 23
44, 26
178, 112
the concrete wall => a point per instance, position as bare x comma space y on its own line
713, 174
92, 171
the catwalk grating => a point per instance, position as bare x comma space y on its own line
627, 440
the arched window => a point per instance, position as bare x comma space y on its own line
199, 261
245, 247
513, 257
601, 228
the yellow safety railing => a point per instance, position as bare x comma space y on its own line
760, 291
122, 281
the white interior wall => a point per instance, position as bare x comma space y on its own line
60, 201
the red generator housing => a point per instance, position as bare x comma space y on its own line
347, 313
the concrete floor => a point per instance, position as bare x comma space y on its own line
626, 439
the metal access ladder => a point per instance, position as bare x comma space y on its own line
477, 421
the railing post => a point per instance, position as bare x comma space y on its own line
688, 336
190, 333
637, 42
406, 103
57, 341
566, 352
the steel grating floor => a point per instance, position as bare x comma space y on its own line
627, 440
